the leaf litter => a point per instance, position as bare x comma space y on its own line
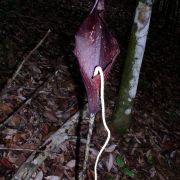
51, 81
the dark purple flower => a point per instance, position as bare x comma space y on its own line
95, 46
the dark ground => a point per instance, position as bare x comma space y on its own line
151, 146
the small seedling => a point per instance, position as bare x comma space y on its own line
128, 172
150, 159
109, 177
120, 161
122, 166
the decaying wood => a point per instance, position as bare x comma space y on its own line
50, 145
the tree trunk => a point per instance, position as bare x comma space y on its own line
132, 67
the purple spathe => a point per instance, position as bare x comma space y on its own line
95, 46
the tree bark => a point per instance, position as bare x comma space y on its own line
132, 67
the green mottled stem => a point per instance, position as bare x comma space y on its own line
132, 66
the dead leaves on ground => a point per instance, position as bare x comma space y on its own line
150, 148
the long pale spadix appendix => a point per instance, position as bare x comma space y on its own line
99, 70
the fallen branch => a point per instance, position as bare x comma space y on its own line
51, 144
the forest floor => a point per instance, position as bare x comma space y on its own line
48, 90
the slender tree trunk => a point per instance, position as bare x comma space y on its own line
132, 67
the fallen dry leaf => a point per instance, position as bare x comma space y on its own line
6, 163
21, 158
6, 107
58, 170
94, 151
52, 178
109, 162
50, 115
15, 120
71, 164
111, 148
44, 129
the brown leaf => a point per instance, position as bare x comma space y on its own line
52, 178
111, 148
21, 158
44, 129
58, 170
6, 163
28, 146
168, 145
141, 161
6, 107
19, 137
50, 115
60, 158
90, 175
15, 120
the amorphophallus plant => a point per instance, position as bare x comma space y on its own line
95, 46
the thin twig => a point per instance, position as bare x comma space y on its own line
24, 60
21, 149
70, 138
28, 56
91, 124
24, 103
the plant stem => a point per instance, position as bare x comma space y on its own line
131, 71
91, 124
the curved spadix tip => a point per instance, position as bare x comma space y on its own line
97, 70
